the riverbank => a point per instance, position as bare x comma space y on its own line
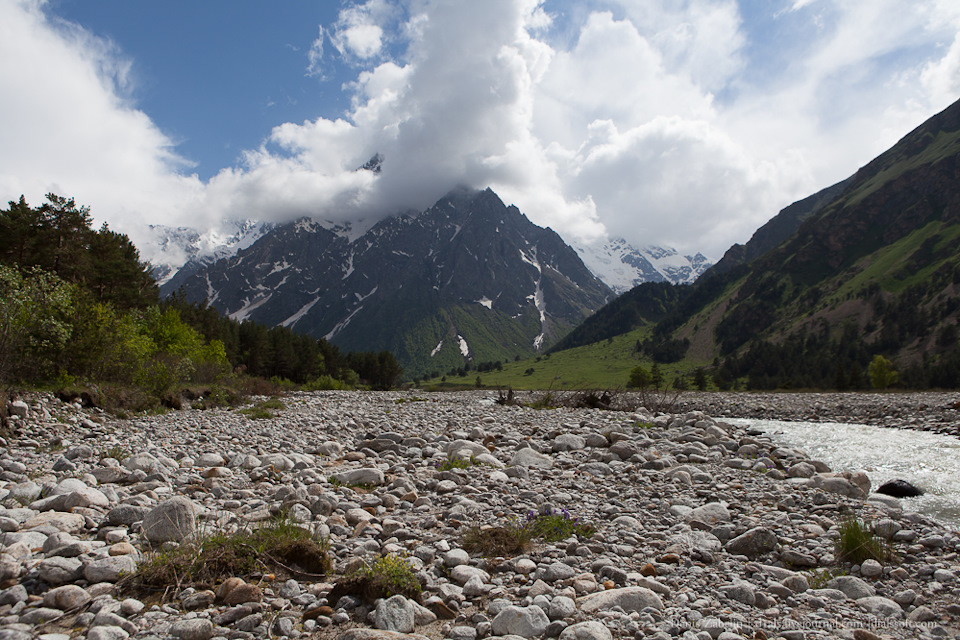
700, 529
937, 411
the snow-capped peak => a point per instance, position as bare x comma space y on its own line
621, 267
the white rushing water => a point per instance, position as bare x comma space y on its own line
927, 460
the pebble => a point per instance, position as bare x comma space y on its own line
703, 529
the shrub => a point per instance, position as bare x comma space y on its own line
556, 526
881, 373
456, 463
326, 383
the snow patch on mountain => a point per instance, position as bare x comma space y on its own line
464, 347
249, 307
342, 324
292, 320
621, 266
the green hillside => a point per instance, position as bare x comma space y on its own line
874, 272
601, 365
867, 268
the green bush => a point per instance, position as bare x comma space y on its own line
556, 526
36, 322
387, 576
509, 540
456, 463
278, 545
326, 383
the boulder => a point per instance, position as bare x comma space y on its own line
526, 622
395, 614
852, 586
629, 599
754, 542
586, 631
711, 513
527, 457
899, 489
360, 476
171, 520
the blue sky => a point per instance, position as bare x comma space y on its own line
687, 123
217, 77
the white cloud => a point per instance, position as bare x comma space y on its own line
315, 56
68, 128
662, 121
359, 31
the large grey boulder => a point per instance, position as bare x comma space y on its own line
395, 614
629, 599
526, 622
527, 457
360, 476
59, 570
142, 462
171, 521
754, 542
586, 631
568, 442
880, 606
109, 569
710, 513
852, 586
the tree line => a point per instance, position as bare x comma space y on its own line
80, 305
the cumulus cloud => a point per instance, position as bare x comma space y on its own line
660, 121
359, 33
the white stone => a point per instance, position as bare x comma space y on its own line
586, 631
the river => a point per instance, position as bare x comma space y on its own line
927, 460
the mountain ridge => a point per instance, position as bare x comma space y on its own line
413, 284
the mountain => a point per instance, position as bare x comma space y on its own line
645, 304
623, 267
181, 251
777, 229
469, 280
872, 269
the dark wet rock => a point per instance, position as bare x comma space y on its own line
899, 489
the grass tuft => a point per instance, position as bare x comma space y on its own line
515, 538
557, 526
264, 410
507, 541
387, 576
858, 543
277, 546
457, 463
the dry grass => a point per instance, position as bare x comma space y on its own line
278, 546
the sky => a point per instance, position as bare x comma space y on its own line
683, 123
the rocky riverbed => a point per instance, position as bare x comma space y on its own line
702, 530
